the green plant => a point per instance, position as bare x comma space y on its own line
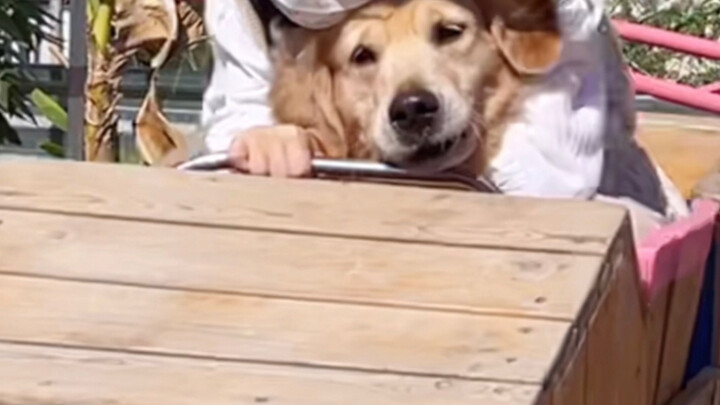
56, 114
23, 25
699, 18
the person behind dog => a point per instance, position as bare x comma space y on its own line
580, 145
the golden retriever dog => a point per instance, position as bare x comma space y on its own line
421, 84
534, 94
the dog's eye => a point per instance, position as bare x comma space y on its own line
444, 33
363, 55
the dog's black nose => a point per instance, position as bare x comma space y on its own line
413, 114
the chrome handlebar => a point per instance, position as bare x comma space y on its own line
359, 170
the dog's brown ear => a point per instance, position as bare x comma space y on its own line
527, 34
292, 91
302, 89
528, 52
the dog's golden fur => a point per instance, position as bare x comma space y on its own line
479, 73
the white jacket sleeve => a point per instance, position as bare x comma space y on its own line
237, 96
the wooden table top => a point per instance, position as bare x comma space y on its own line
130, 285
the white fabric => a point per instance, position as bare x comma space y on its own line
557, 149
576, 133
317, 14
237, 96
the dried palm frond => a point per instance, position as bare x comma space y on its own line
151, 31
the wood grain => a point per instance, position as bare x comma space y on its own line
656, 325
687, 148
316, 268
31, 375
650, 120
571, 387
617, 335
682, 314
305, 292
307, 206
275, 330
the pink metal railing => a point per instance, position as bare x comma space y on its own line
706, 98
667, 39
712, 88
677, 93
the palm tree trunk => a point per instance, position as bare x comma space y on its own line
101, 132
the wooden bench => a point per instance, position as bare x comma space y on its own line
130, 285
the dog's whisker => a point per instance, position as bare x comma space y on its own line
475, 131
478, 124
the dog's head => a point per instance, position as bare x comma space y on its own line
415, 83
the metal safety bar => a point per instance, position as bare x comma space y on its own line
358, 170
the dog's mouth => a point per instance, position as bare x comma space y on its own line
437, 156
434, 150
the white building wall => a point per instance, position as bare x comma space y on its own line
46, 54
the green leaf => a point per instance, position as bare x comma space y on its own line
53, 149
8, 133
9, 54
4, 95
23, 110
24, 27
50, 108
92, 6
8, 26
102, 25
10, 75
23, 23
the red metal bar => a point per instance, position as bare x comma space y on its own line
672, 40
677, 93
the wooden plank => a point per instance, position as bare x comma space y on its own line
317, 268
706, 124
306, 206
275, 330
617, 337
605, 360
681, 318
687, 148
656, 324
32, 375
571, 387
